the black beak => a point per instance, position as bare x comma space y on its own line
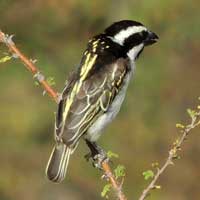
151, 38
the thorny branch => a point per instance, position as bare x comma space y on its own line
173, 152
29, 64
115, 184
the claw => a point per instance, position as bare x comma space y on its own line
97, 155
99, 159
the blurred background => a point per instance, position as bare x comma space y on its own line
166, 83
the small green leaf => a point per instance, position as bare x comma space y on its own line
157, 187
176, 142
105, 190
5, 59
110, 154
119, 171
148, 174
176, 157
51, 81
192, 113
36, 83
178, 125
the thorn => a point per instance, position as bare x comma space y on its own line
156, 187
39, 77
44, 92
33, 60
8, 39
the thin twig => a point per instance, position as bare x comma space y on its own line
116, 186
195, 121
29, 64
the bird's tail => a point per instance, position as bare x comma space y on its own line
57, 165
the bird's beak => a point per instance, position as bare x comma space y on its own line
151, 38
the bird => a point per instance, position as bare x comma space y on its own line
95, 91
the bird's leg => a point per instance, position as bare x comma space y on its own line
97, 154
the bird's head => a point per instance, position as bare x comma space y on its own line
132, 36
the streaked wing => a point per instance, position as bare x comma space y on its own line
87, 100
61, 106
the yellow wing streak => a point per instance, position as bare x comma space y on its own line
84, 71
87, 66
70, 99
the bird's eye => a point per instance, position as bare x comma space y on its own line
144, 34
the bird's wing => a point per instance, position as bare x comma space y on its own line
85, 100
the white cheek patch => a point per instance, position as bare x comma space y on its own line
132, 53
122, 35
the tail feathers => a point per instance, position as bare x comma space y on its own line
57, 165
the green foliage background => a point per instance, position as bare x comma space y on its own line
167, 82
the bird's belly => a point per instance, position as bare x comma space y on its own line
94, 131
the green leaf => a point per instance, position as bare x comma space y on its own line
5, 59
157, 187
105, 190
36, 83
119, 171
110, 154
178, 125
148, 174
192, 113
51, 81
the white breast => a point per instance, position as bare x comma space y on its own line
94, 131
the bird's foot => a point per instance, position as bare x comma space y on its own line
97, 155
99, 159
